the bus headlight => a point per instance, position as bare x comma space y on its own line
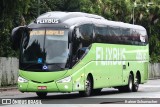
22, 80
67, 79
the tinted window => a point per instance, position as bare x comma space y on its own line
126, 36
116, 35
86, 32
82, 38
142, 37
114, 31
135, 37
101, 34
107, 34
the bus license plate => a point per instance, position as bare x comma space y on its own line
42, 87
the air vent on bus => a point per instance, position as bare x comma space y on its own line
35, 81
42, 82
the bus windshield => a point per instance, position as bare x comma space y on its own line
47, 46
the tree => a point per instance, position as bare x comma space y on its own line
9, 12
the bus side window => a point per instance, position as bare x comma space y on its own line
114, 34
146, 37
76, 40
137, 41
86, 31
100, 34
135, 37
126, 36
84, 36
143, 39
82, 39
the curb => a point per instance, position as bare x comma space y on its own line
8, 88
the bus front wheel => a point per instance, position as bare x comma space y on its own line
88, 88
41, 94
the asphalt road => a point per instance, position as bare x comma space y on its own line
148, 93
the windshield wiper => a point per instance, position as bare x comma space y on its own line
57, 66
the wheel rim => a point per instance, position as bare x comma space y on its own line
136, 82
130, 83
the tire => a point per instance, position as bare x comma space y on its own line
129, 87
41, 94
96, 91
88, 88
136, 84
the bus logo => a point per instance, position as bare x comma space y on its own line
45, 67
110, 56
47, 21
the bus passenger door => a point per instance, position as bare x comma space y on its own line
125, 73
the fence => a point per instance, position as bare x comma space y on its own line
9, 68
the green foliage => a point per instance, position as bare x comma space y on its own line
146, 13
11, 15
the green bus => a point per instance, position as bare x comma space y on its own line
80, 52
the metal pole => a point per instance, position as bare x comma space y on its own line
38, 7
133, 14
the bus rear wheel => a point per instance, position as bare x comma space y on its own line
129, 87
41, 94
136, 84
88, 88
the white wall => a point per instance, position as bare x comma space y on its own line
154, 72
8, 71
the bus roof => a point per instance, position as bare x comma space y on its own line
76, 18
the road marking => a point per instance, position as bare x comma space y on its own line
154, 86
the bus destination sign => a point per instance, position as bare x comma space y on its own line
48, 32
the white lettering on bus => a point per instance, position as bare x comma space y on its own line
42, 21
110, 56
140, 57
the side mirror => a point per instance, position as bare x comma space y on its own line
71, 34
74, 32
16, 36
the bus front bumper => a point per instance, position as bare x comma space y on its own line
45, 87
